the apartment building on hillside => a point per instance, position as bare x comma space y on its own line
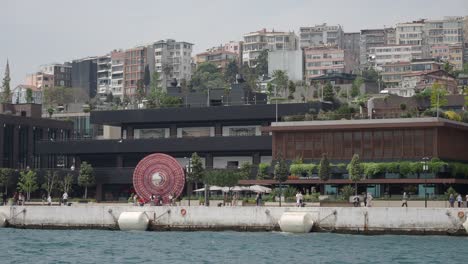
62, 73
256, 42
117, 73
40, 80
321, 35
134, 70
104, 75
322, 60
172, 59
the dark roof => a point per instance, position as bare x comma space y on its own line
333, 76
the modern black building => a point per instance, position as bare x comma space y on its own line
21, 127
224, 136
84, 75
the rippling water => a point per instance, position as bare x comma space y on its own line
91, 246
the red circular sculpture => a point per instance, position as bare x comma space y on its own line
158, 174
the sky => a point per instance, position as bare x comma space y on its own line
38, 32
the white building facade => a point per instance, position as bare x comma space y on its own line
256, 42
172, 60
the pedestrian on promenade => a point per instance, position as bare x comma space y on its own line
20, 199
49, 200
356, 201
258, 199
236, 196
65, 198
171, 199
159, 201
405, 200
365, 199
152, 198
369, 199
299, 199
15, 198
451, 200
4, 198
459, 200
466, 198
135, 199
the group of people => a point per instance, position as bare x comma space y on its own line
48, 199
459, 200
155, 200
367, 200
299, 199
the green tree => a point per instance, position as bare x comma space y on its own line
58, 95
328, 93
356, 86
245, 170
324, 168
291, 88
140, 91
448, 67
5, 178
110, 98
29, 96
27, 183
250, 76
50, 181
230, 72
262, 63
438, 96
197, 170
371, 75
147, 76
270, 90
66, 182
206, 77
355, 170
347, 191
280, 80
156, 93
262, 172
281, 172
86, 177
6, 96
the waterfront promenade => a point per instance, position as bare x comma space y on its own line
371, 220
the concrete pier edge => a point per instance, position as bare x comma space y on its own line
349, 220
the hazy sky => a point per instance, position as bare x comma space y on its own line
37, 32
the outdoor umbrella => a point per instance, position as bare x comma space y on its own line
212, 188
258, 188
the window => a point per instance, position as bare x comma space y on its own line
194, 132
151, 133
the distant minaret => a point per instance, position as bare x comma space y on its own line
7, 72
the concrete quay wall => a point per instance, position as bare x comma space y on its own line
332, 219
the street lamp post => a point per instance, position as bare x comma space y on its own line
425, 170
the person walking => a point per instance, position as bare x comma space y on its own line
451, 200
20, 199
365, 199
466, 198
299, 199
152, 198
258, 199
65, 198
4, 199
369, 199
405, 200
459, 200
135, 199
49, 200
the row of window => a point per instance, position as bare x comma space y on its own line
185, 132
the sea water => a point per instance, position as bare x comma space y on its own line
98, 246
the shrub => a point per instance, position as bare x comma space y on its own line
262, 172
346, 192
405, 168
453, 116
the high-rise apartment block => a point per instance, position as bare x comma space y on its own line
172, 59
104, 74
256, 42
410, 33
392, 54
62, 73
134, 70
117, 73
320, 35
234, 47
